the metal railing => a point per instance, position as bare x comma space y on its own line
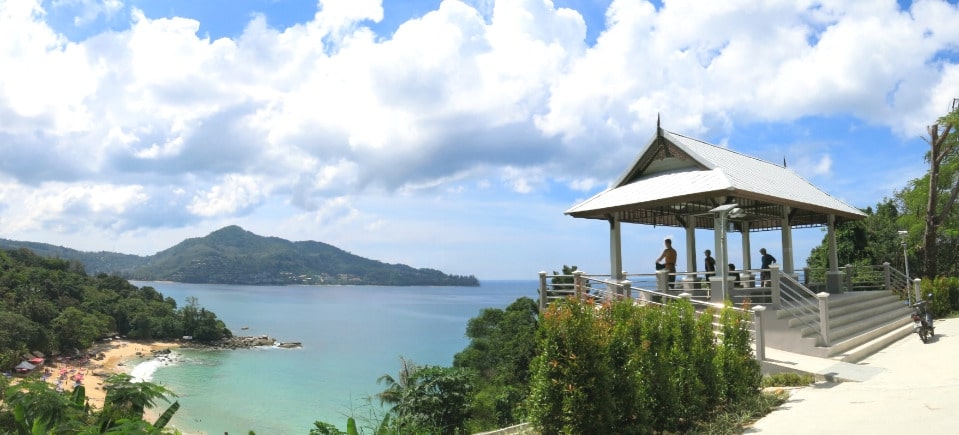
800, 302
858, 278
601, 289
802, 296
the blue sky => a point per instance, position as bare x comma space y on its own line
451, 135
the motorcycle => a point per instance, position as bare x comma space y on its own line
922, 321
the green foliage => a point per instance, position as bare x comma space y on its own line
322, 428
631, 370
870, 241
32, 406
562, 283
502, 344
739, 371
374, 422
788, 379
570, 383
48, 305
736, 417
126, 400
428, 399
945, 295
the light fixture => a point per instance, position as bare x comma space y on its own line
724, 212
903, 234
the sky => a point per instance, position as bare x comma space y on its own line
450, 134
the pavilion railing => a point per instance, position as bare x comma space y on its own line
860, 278
797, 294
601, 289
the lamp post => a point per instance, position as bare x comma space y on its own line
902, 236
723, 213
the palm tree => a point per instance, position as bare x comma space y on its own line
397, 389
127, 400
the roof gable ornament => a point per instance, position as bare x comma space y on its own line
661, 155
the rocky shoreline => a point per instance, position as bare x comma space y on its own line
244, 342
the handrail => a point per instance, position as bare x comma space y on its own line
799, 302
898, 284
602, 289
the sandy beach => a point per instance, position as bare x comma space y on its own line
117, 356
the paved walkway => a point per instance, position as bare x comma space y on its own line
907, 388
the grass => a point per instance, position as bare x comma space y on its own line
788, 379
737, 417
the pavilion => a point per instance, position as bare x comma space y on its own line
683, 182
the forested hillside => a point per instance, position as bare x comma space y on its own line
53, 306
233, 255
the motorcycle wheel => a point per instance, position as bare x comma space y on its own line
924, 335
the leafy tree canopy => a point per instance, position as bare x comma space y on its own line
51, 306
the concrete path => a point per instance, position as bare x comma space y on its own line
906, 388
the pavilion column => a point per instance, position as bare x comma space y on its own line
722, 260
787, 236
689, 281
615, 250
834, 278
747, 258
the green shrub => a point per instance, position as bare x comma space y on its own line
945, 295
627, 369
632, 366
740, 372
569, 385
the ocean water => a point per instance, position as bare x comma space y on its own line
351, 336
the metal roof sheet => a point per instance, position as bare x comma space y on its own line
677, 178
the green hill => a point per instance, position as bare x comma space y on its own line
233, 255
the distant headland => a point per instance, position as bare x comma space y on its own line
232, 255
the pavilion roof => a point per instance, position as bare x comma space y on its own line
677, 178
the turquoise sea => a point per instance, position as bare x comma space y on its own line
351, 336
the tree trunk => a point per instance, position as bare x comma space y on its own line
938, 152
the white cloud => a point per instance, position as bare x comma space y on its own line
66, 207
812, 165
235, 194
473, 99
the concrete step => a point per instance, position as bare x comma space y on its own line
852, 310
841, 304
860, 324
840, 310
861, 350
856, 323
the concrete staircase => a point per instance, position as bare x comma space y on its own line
860, 324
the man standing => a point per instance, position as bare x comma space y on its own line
766, 261
710, 263
668, 258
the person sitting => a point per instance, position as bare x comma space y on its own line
735, 275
